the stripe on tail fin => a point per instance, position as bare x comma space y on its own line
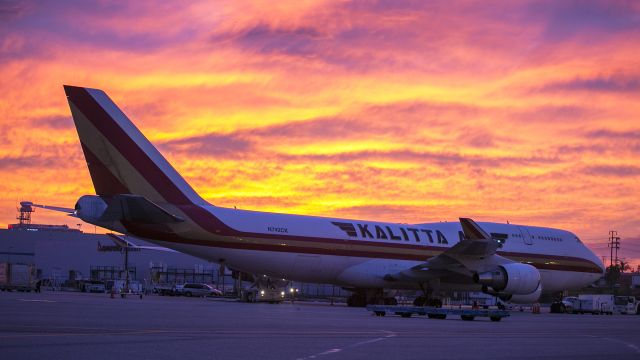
120, 158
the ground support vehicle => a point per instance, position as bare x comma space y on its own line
120, 287
627, 305
262, 295
589, 304
437, 312
94, 287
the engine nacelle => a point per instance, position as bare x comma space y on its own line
523, 299
514, 279
90, 208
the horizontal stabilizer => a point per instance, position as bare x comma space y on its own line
137, 209
53, 208
123, 242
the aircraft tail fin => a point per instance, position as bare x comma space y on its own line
120, 158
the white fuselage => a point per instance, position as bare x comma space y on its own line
315, 249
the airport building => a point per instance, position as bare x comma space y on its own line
59, 254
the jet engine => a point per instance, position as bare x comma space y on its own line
90, 208
523, 299
511, 279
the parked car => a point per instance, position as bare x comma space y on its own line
192, 289
167, 290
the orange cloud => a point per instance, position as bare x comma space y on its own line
402, 111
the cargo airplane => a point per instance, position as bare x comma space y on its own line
138, 193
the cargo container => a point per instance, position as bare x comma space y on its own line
21, 277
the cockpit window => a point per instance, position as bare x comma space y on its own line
578, 240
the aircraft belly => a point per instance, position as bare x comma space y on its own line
555, 280
288, 265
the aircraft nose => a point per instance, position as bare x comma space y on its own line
599, 263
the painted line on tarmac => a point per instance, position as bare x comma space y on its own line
629, 345
389, 334
36, 300
139, 332
37, 330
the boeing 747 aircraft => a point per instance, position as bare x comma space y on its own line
138, 193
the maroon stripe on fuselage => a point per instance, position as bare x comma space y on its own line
588, 266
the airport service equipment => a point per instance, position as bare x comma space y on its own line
262, 295
437, 313
627, 305
589, 304
118, 286
19, 277
94, 286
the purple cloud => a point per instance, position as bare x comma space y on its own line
586, 18
613, 170
56, 122
270, 39
616, 83
212, 145
612, 134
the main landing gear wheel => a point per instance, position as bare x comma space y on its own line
423, 301
437, 316
357, 300
390, 301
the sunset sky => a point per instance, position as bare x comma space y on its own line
406, 111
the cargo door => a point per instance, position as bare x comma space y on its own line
526, 236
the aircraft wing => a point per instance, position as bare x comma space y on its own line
464, 258
123, 242
477, 243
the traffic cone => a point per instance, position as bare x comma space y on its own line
536, 308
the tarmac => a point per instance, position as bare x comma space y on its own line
60, 325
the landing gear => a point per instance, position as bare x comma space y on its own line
390, 301
423, 301
357, 299
363, 297
427, 299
